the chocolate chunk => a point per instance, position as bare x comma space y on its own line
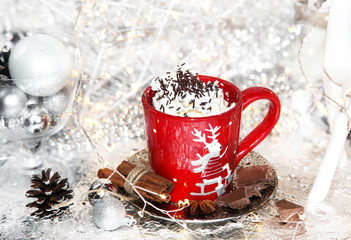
252, 174
289, 211
253, 190
236, 199
250, 181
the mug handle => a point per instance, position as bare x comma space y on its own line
265, 127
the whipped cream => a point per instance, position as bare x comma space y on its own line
187, 96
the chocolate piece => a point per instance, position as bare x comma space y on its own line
250, 180
253, 190
236, 199
252, 174
289, 211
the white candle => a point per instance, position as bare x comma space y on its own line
337, 80
334, 150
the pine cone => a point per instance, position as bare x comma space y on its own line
52, 194
4, 59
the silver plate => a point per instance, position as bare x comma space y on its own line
221, 213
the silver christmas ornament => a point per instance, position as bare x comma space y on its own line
40, 65
33, 102
100, 189
13, 102
58, 102
108, 213
36, 120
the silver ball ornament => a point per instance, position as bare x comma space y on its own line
100, 189
33, 102
58, 102
13, 102
108, 213
40, 65
35, 121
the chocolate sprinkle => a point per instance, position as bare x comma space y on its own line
185, 83
162, 108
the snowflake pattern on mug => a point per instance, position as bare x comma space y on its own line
209, 164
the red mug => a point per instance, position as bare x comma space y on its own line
199, 154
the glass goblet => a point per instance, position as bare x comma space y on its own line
31, 111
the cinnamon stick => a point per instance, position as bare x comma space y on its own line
157, 188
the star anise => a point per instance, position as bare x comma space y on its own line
201, 207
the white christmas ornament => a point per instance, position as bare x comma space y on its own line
109, 213
40, 65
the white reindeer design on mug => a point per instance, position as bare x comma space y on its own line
214, 148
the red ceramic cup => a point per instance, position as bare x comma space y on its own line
200, 154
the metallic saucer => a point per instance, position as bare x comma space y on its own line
221, 213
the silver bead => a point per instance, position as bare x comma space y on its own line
13, 102
3, 124
12, 123
36, 121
